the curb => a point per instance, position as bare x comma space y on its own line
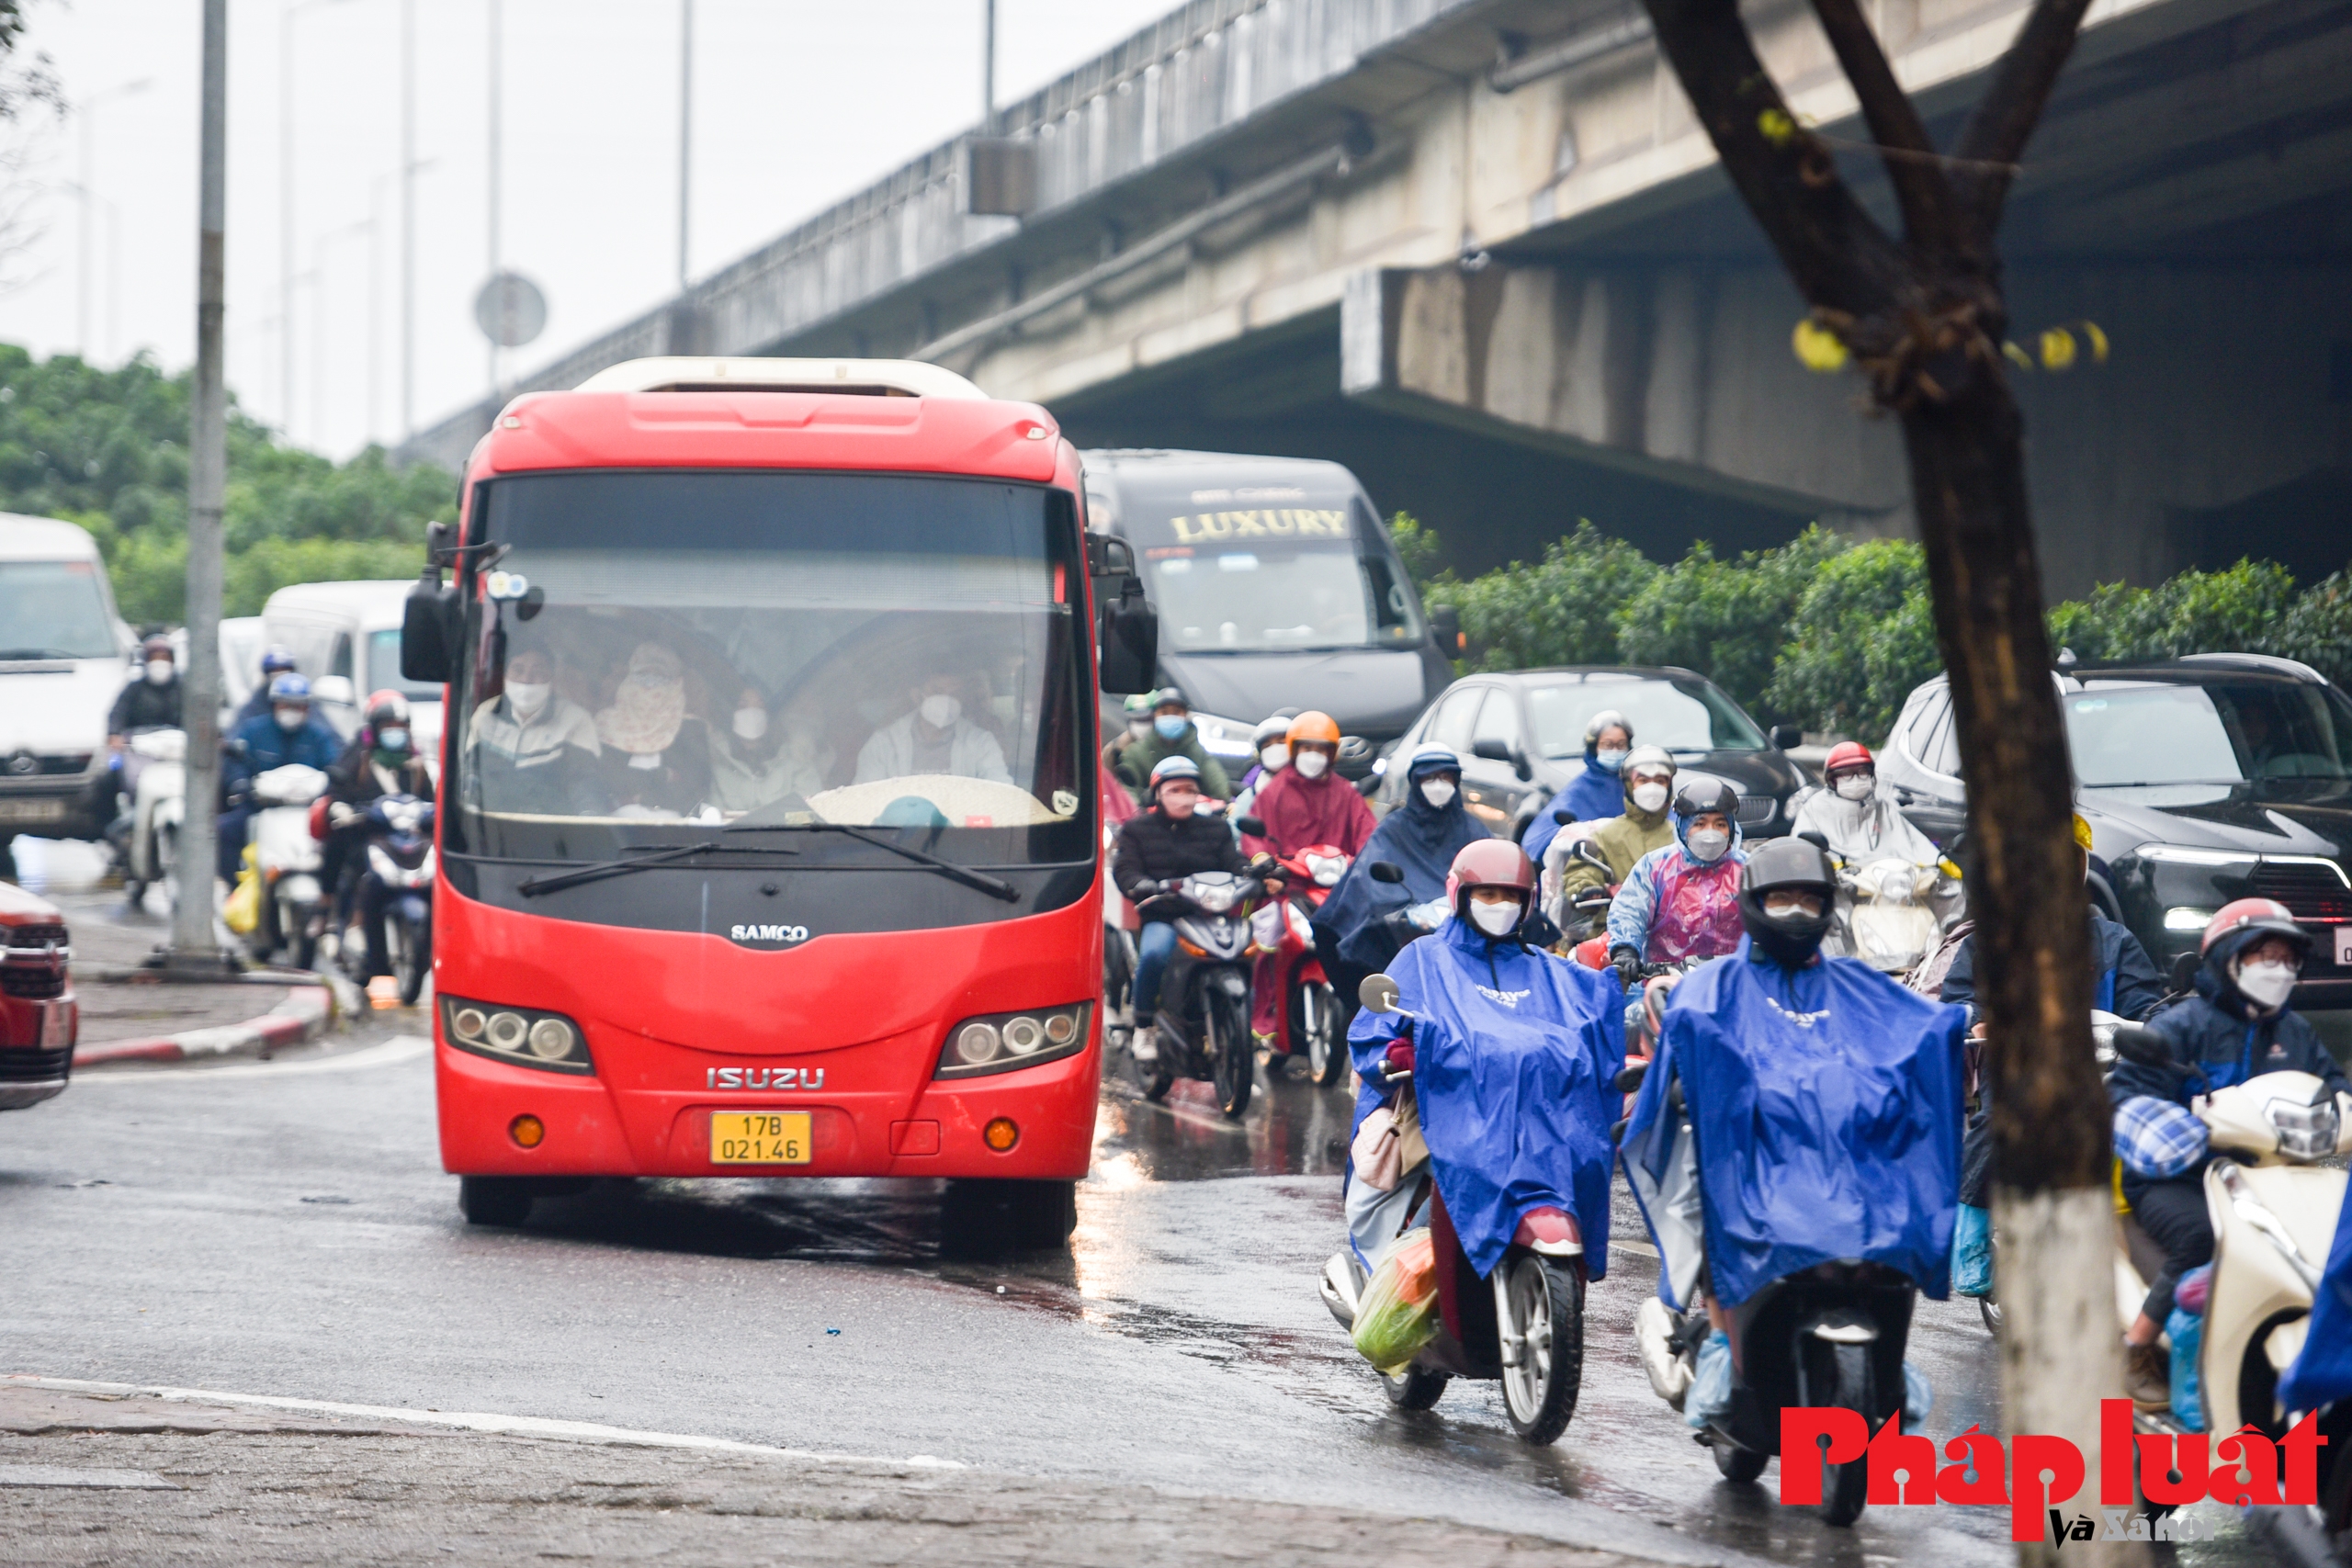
307, 1013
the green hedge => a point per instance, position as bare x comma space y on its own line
1832, 635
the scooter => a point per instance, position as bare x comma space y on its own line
1306, 1009
2274, 1206
1887, 913
1830, 1334
1201, 1029
288, 858
154, 771
1522, 1326
401, 861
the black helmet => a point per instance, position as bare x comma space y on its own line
1704, 795
1787, 865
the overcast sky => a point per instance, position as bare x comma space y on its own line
797, 103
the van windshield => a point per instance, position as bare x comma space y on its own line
53, 609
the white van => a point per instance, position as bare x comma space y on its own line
346, 638
63, 655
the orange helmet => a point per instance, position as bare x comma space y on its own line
1315, 727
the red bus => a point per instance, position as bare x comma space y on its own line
767, 832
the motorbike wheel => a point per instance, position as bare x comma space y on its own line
1418, 1388
1845, 1488
1736, 1463
1237, 1051
1315, 1020
1542, 1303
411, 961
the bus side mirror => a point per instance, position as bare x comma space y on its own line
1130, 642
432, 626
1445, 630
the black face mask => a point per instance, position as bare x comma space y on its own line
1790, 941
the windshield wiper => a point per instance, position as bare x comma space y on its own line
993, 887
531, 887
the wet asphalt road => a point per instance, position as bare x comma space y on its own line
283, 1228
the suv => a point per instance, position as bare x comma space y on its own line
2204, 779
1521, 739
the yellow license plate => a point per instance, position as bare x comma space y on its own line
759, 1137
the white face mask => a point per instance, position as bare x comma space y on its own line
1493, 919
527, 697
1650, 797
290, 719
1275, 756
1855, 786
939, 710
2266, 985
1438, 793
750, 723
159, 672
1138, 728
1708, 847
1311, 764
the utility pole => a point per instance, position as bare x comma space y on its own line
88, 189
497, 37
988, 65
193, 945
408, 219
292, 9
318, 275
685, 131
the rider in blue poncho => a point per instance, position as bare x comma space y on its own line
1594, 795
1512, 1054
1420, 838
2322, 1374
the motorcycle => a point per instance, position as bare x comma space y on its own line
1306, 1011
2274, 1206
1409, 924
401, 861
286, 856
1522, 1326
1884, 917
1203, 1023
1830, 1334
155, 775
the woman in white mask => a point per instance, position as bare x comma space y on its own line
657, 756
1647, 774
761, 758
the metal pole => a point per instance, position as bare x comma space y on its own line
497, 34
82, 283
987, 64
408, 218
193, 945
286, 217
686, 131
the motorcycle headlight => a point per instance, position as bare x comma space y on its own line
1326, 870
2306, 1131
1215, 898
524, 1037
1001, 1042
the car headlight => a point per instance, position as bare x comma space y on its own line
1002, 1042
2181, 854
525, 1037
2187, 918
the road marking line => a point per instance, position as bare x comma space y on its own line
471, 1421
399, 1048
92, 1480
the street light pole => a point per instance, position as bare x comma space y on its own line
292, 9
193, 945
88, 189
686, 131
987, 64
318, 275
497, 37
408, 219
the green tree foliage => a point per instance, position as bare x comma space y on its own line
1563, 610
2195, 612
108, 449
2317, 629
1726, 619
1863, 636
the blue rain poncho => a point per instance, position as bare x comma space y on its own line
1826, 1104
1593, 795
2322, 1372
1421, 841
1513, 1054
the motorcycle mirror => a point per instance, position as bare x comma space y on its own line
2135, 1043
1378, 994
1253, 825
1562, 818
2183, 971
1630, 1078
1387, 871
1587, 851
1818, 839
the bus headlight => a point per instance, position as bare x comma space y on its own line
1002, 1042
525, 1037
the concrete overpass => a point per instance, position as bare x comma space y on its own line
1479, 250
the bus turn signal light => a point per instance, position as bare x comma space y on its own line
1001, 1134
527, 1130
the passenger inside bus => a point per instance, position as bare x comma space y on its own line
656, 760
934, 737
760, 761
534, 750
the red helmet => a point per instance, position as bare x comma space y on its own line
1846, 756
1489, 863
2265, 917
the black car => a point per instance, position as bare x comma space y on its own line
2204, 779
1521, 739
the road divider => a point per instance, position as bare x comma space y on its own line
306, 1013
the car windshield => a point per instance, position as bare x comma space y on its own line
384, 670
53, 609
1679, 715
707, 649
2148, 732
1266, 576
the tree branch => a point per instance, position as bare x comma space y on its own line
1840, 260
1930, 208
2012, 105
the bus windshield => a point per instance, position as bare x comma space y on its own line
658, 655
